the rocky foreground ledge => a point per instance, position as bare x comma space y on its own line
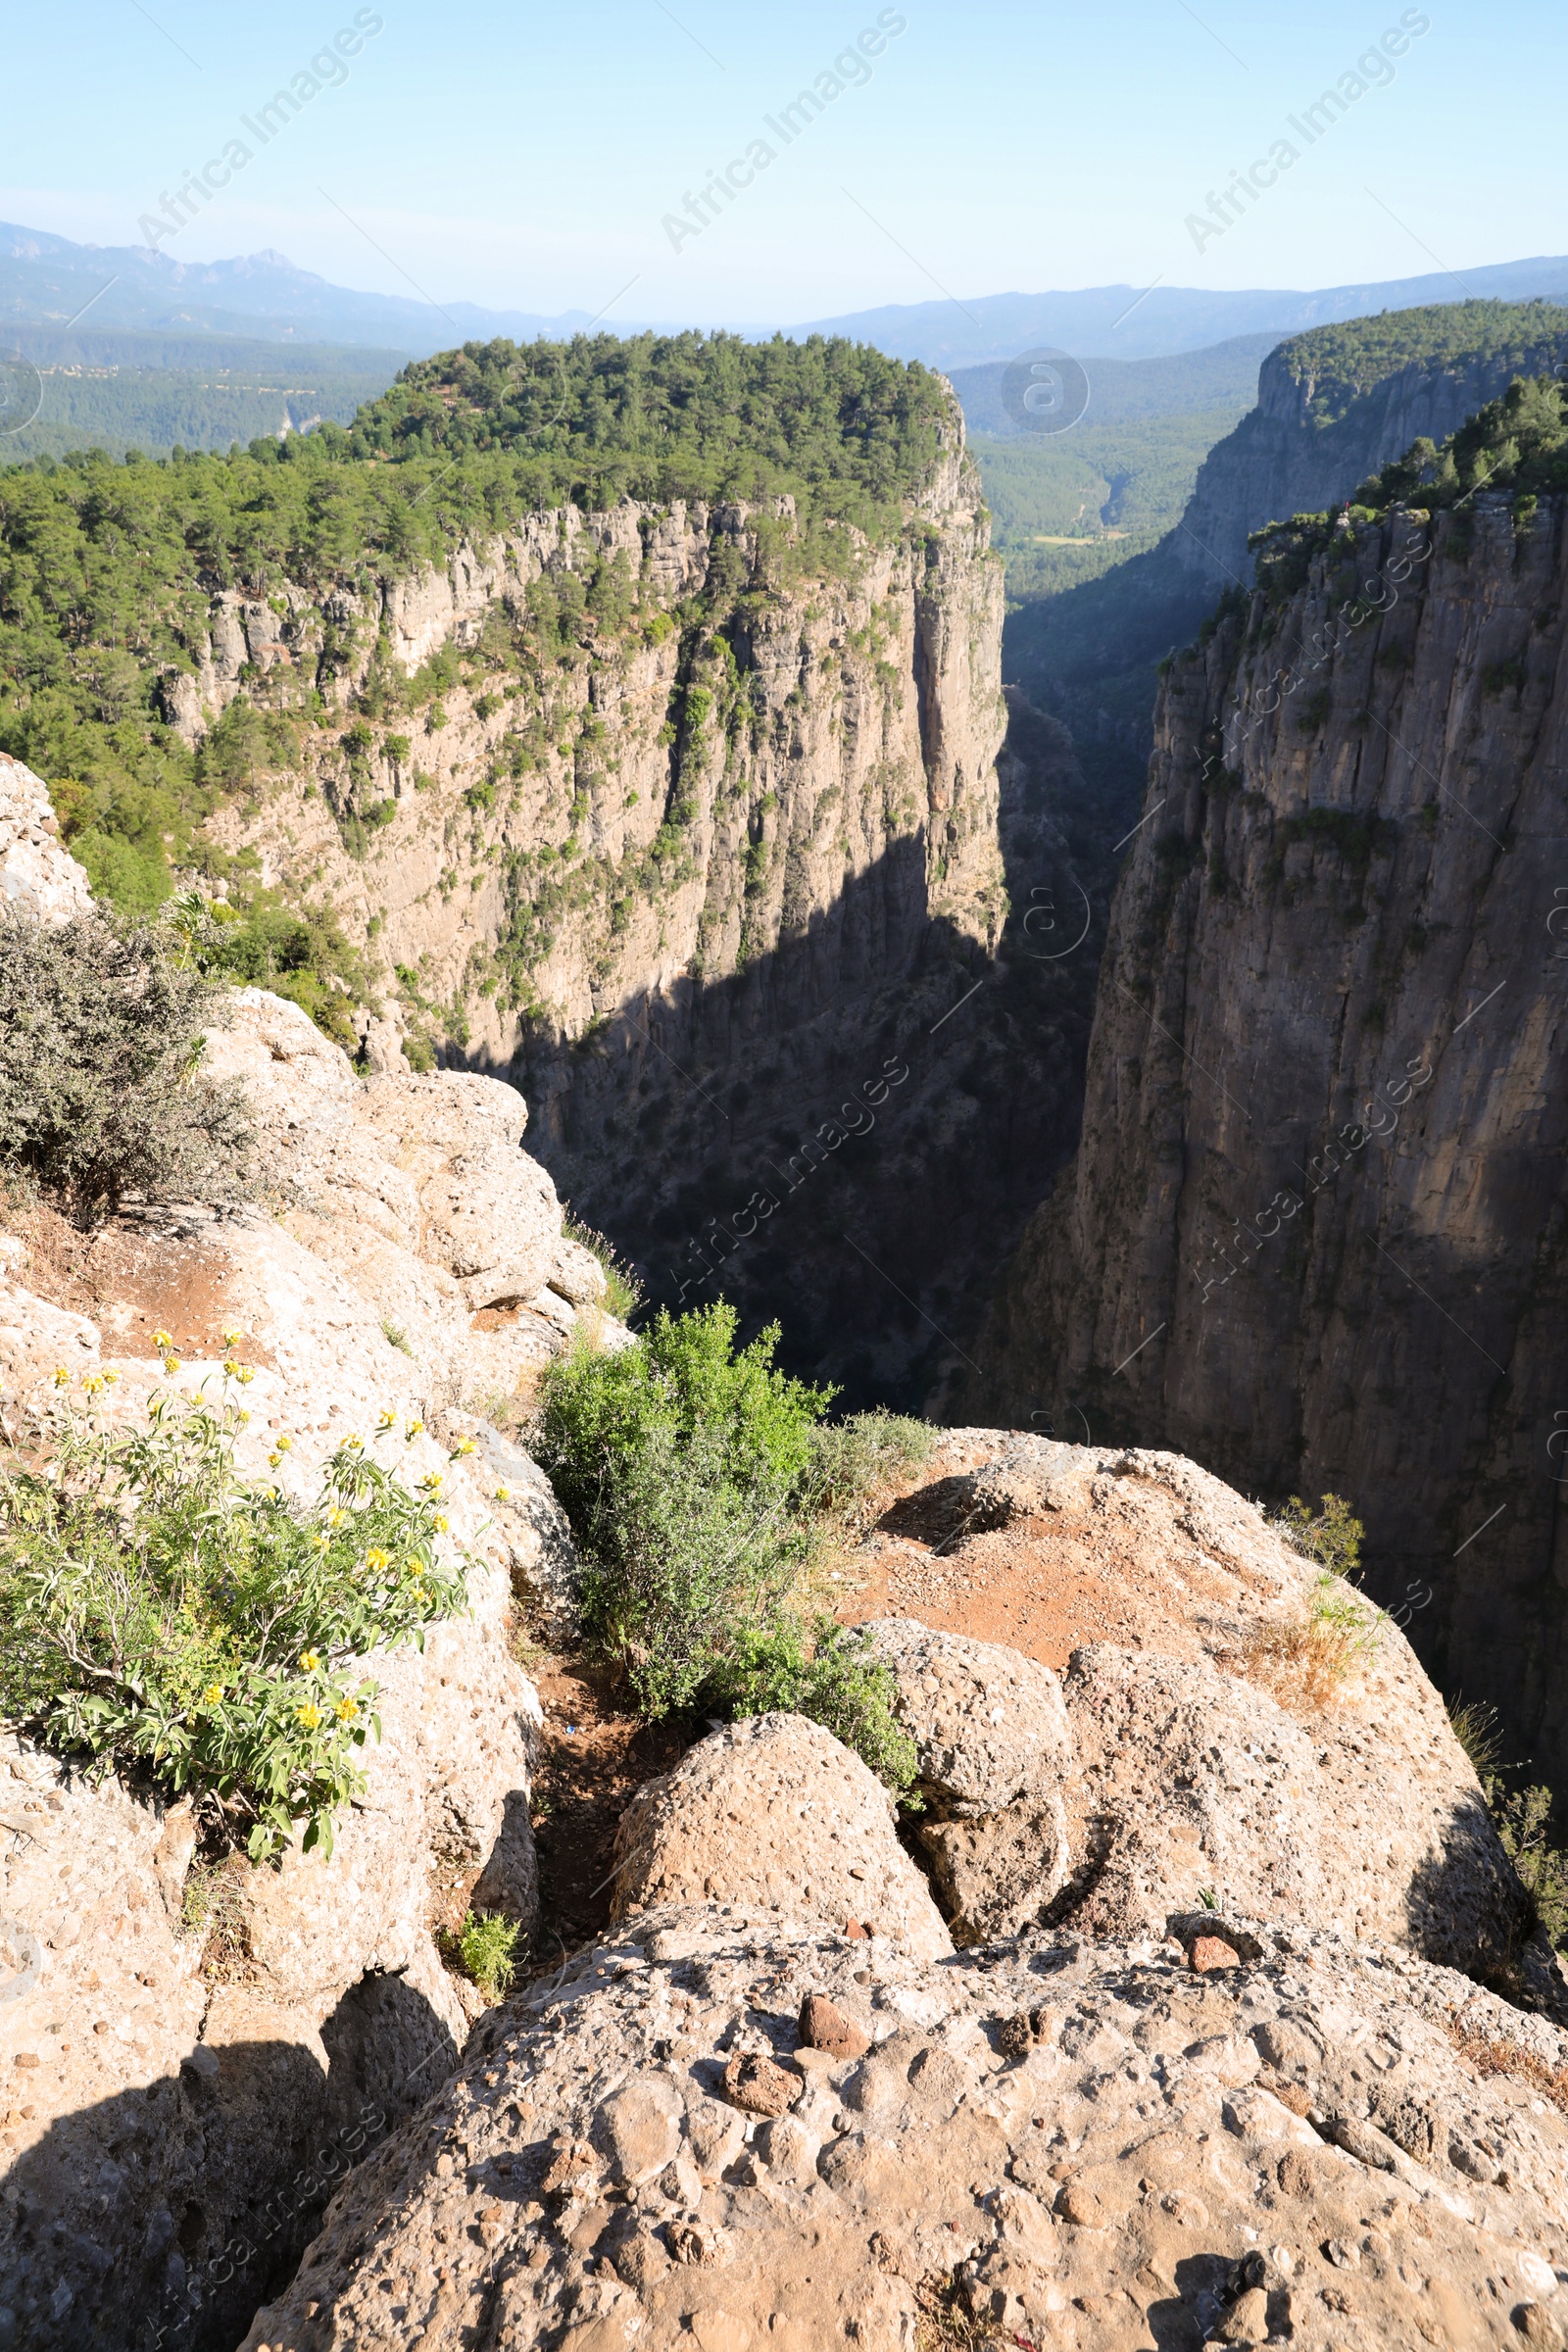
1043, 2143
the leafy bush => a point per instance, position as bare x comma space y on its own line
1332, 1538
485, 1943
158, 1613
828, 1677
101, 1092
676, 1460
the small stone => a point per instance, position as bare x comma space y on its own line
1247, 2320
1343, 2255
1539, 2325
1209, 1952
759, 2084
700, 2244
1079, 2205
1028, 2031
824, 2026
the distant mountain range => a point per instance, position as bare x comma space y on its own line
49, 281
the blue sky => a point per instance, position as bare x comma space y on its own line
528, 157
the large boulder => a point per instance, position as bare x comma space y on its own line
988, 1723
773, 1813
38, 876
1069, 2146
1203, 1785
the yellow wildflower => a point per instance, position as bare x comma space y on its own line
61, 1377
321, 1542
464, 1445
439, 1523
502, 1494
430, 1483
211, 1695
347, 1709
338, 1516
378, 1562
412, 1430
170, 1363
285, 1444
310, 1660
309, 1716
242, 1418
93, 1383
110, 1379
247, 1373
231, 1370
232, 1338
273, 1459
353, 1445
388, 1420
163, 1340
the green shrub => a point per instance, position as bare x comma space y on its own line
161, 1615
828, 1677
1524, 1821
1332, 1538
101, 1092
676, 1460
485, 1944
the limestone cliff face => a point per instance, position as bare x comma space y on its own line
1316, 1230
694, 881
1313, 437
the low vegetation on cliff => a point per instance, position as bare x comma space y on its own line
696, 1476
158, 1612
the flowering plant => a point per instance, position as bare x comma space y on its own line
158, 1614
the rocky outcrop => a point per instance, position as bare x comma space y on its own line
38, 876
1059, 2144
1327, 419
1227, 1727
1315, 1230
774, 1812
418, 1193
192, 2051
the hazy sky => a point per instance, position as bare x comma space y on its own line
527, 157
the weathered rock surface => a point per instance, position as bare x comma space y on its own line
988, 1723
189, 2061
1198, 1783
1156, 2158
38, 876
774, 1812
418, 1192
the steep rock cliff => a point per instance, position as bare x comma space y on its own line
1316, 1233
711, 882
1333, 407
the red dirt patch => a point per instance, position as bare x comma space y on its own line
1041, 1586
132, 1282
